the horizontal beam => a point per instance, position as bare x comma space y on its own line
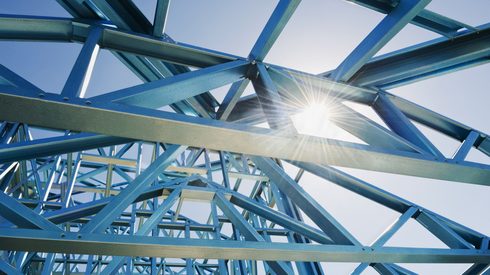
56, 146
32, 28
171, 52
426, 60
105, 244
154, 125
387, 71
36, 28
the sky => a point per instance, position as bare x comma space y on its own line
318, 37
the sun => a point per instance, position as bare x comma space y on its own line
313, 120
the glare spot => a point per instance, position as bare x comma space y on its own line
313, 120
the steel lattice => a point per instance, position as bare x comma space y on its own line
111, 192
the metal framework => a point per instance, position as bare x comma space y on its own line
87, 200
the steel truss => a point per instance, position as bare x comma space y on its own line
85, 201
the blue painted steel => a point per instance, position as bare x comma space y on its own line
425, 18
56, 145
466, 146
152, 222
276, 23
22, 216
167, 91
160, 19
442, 231
247, 230
400, 124
106, 200
199, 248
303, 200
117, 205
78, 80
395, 21
8, 77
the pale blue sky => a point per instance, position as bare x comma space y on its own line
320, 34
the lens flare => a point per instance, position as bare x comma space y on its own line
313, 120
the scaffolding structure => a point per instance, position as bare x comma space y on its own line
108, 193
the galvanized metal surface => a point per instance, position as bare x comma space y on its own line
111, 193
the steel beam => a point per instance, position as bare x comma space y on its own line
442, 231
80, 243
466, 146
232, 96
6, 268
120, 202
270, 101
66, 30
154, 125
387, 234
383, 197
303, 200
276, 23
419, 62
171, 90
280, 219
160, 19
8, 77
78, 80
429, 59
425, 19
56, 146
247, 110
400, 16
247, 230
149, 224
400, 124
22, 216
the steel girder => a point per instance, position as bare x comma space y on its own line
109, 195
